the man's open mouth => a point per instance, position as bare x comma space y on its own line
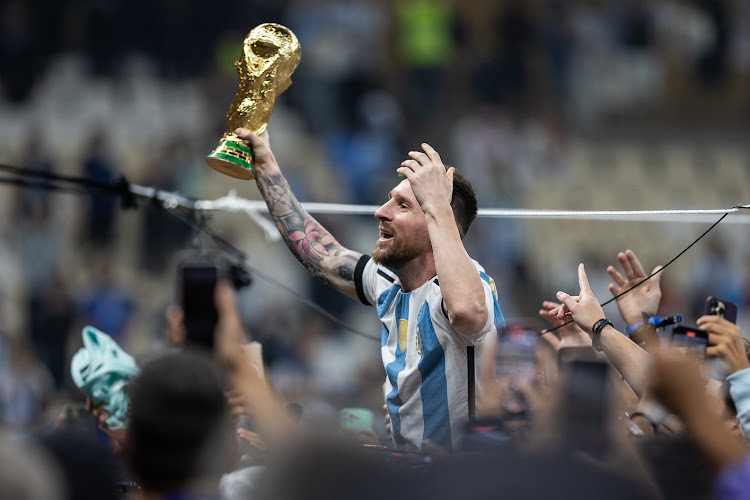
385, 235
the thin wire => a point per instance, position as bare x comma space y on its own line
657, 271
238, 255
202, 227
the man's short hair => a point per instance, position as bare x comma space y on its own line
463, 203
178, 422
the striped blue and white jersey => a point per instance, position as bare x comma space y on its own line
425, 358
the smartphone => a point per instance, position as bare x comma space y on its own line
516, 362
690, 340
197, 282
722, 308
586, 405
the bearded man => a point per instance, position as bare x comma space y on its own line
433, 300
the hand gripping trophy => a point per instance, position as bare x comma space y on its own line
270, 55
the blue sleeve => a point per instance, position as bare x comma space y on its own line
739, 389
732, 482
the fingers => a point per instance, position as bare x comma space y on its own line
656, 275
549, 305
552, 340
583, 280
421, 158
431, 153
635, 264
626, 265
225, 300
717, 325
616, 276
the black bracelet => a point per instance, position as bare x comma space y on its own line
596, 331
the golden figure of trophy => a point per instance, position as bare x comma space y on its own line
270, 55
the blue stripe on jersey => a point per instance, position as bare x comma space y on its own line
499, 319
392, 400
434, 390
384, 303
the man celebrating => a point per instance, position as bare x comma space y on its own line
433, 300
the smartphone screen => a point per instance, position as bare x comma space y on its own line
722, 308
198, 282
516, 362
690, 341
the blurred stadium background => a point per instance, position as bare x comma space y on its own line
548, 104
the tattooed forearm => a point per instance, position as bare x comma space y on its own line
307, 239
346, 265
320, 253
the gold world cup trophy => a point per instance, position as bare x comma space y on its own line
270, 55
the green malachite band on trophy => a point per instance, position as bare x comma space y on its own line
237, 145
234, 160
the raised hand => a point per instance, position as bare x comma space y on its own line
725, 341
570, 334
431, 183
583, 308
645, 298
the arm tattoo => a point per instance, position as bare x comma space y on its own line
309, 241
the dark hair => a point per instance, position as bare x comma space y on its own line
463, 203
179, 426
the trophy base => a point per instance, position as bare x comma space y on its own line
232, 159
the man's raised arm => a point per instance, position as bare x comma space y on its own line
463, 292
311, 244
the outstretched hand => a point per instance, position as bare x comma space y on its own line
584, 308
431, 183
570, 334
645, 298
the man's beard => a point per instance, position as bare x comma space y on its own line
401, 251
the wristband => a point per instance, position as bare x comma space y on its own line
596, 331
629, 330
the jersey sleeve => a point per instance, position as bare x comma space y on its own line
370, 280
494, 314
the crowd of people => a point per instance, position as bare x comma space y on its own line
478, 399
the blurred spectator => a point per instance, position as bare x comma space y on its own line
368, 146
27, 472
25, 389
179, 433
163, 233
426, 37
711, 67
51, 315
101, 207
19, 57
106, 305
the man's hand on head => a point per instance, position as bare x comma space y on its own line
431, 183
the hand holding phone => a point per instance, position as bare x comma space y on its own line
722, 308
725, 344
197, 279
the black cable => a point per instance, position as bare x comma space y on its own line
51, 176
654, 273
237, 254
121, 188
15, 181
